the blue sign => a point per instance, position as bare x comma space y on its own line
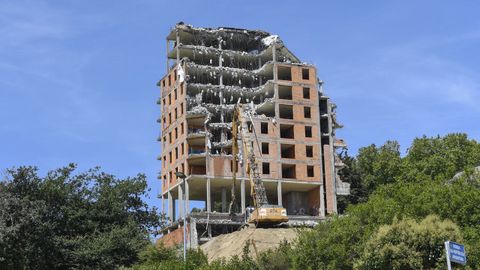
456, 253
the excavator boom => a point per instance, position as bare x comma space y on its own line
263, 214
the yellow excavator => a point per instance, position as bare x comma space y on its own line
263, 214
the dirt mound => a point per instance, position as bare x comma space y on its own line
228, 245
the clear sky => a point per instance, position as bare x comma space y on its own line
78, 78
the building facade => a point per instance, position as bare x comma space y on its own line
293, 124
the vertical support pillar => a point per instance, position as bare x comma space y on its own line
187, 196
335, 207
331, 164
220, 63
174, 207
163, 204
260, 66
242, 195
170, 206
177, 41
279, 193
180, 201
168, 60
322, 202
224, 200
329, 179
223, 134
209, 197
274, 55
277, 108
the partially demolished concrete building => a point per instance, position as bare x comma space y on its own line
208, 72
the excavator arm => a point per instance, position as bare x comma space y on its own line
264, 213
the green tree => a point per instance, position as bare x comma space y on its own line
277, 259
440, 158
350, 174
90, 220
379, 165
372, 167
337, 243
155, 254
408, 244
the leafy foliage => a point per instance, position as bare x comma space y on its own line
408, 244
66, 221
440, 158
400, 212
416, 189
374, 166
379, 165
351, 174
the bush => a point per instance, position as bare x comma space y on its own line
408, 244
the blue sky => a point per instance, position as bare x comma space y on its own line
77, 78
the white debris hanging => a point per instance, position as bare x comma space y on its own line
180, 73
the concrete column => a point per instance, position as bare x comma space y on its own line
224, 200
170, 206
220, 64
322, 202
279, 192
335, 208
176, 49
277, 109
242, 194
168, 61
274, 53
331, 164
259, 66
223, 134
163, 204
193, 235
329, 180
209, 203
180, 201
174, 208
187, 196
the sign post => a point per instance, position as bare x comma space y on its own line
455, 252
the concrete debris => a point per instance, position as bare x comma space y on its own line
268, 41
220, 125
181, 73
199, 110
222, 144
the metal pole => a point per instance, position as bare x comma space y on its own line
449, 264
184, 224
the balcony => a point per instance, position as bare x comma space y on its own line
196, 115
196, 151
193, 131
196, 136
196, 155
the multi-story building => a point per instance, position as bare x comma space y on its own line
293, 124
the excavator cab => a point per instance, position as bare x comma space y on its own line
268, 215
